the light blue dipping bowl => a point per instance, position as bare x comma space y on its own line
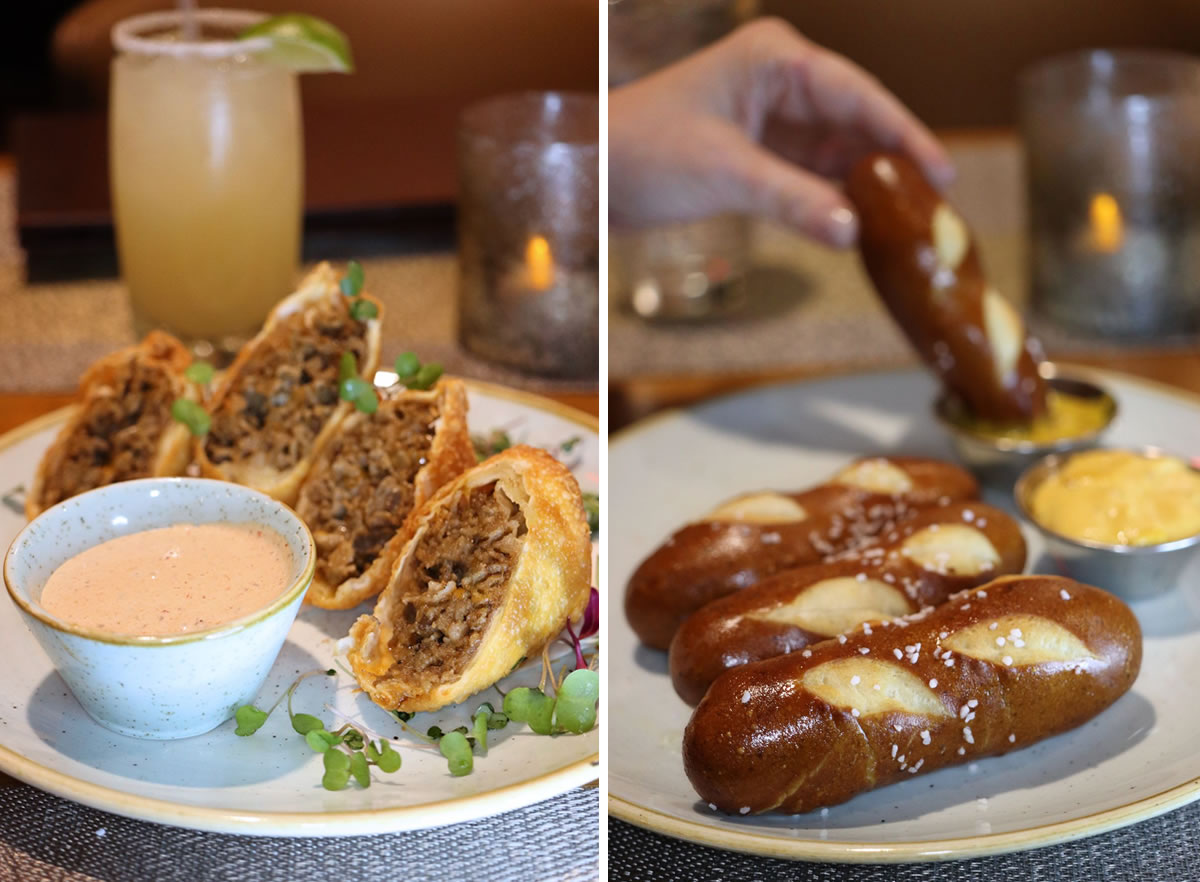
154, 686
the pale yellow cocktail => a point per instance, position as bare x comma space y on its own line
207, 173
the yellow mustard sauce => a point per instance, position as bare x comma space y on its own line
1066, 416
1120, 498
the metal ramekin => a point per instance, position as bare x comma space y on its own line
1132, 572
998, 462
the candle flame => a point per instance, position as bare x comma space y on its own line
1107, 229
539, 263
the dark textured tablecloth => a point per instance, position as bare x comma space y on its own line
1163, 849
44, 838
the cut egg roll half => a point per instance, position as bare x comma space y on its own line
122, 427
498, 562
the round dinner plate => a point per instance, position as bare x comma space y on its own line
270, 783
1136, 760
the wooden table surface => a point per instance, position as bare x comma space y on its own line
636, 399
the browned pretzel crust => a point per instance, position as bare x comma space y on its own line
758, 535
919, 563
995, 669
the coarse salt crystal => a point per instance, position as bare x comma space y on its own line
970, 738
746, 697
1062, 592
863, 650
933, 683
855, 680
1007, 660
925, 736
854, 712
1012, 738
898, 653
744, 810
841, 638
993, 626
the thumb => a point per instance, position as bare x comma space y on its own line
769, 187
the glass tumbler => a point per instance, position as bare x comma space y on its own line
1111, 144
529, 245
206, 164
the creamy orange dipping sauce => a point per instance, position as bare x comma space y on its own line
171, 580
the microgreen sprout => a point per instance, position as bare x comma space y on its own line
351, 285
490, 444
457, 751
192, 415
352, 387
415, 375
346, 753
200, 372
570, 444
591, 505
352, 282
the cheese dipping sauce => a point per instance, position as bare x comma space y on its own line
1066, 416
1120, 498
171, 580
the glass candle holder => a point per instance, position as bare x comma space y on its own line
529, 215
206, 163
682, 271
1111, 140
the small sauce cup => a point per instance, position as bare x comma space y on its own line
1132, 572
150, 686
998, 462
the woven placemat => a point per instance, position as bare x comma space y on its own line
1161, 849
44, 838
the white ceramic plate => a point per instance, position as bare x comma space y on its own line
269, 783
1136, 760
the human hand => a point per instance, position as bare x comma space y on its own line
758, 123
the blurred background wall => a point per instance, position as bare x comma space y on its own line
956, 63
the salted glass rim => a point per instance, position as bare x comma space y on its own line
126, 36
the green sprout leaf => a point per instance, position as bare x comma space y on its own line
389, 760
347, 367
352, 282
530, 706
457, 751
192, 415
570, 444
305, 723
575, 706
362, 310
591, 505
318, 740
200, 372
249, 719
407, 365
337, 770
426, 376
358, 768
361, 392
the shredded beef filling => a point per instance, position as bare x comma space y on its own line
118, 437
455, 583
288, 390
361, 500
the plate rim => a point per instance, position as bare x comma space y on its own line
353, 822
910, 851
